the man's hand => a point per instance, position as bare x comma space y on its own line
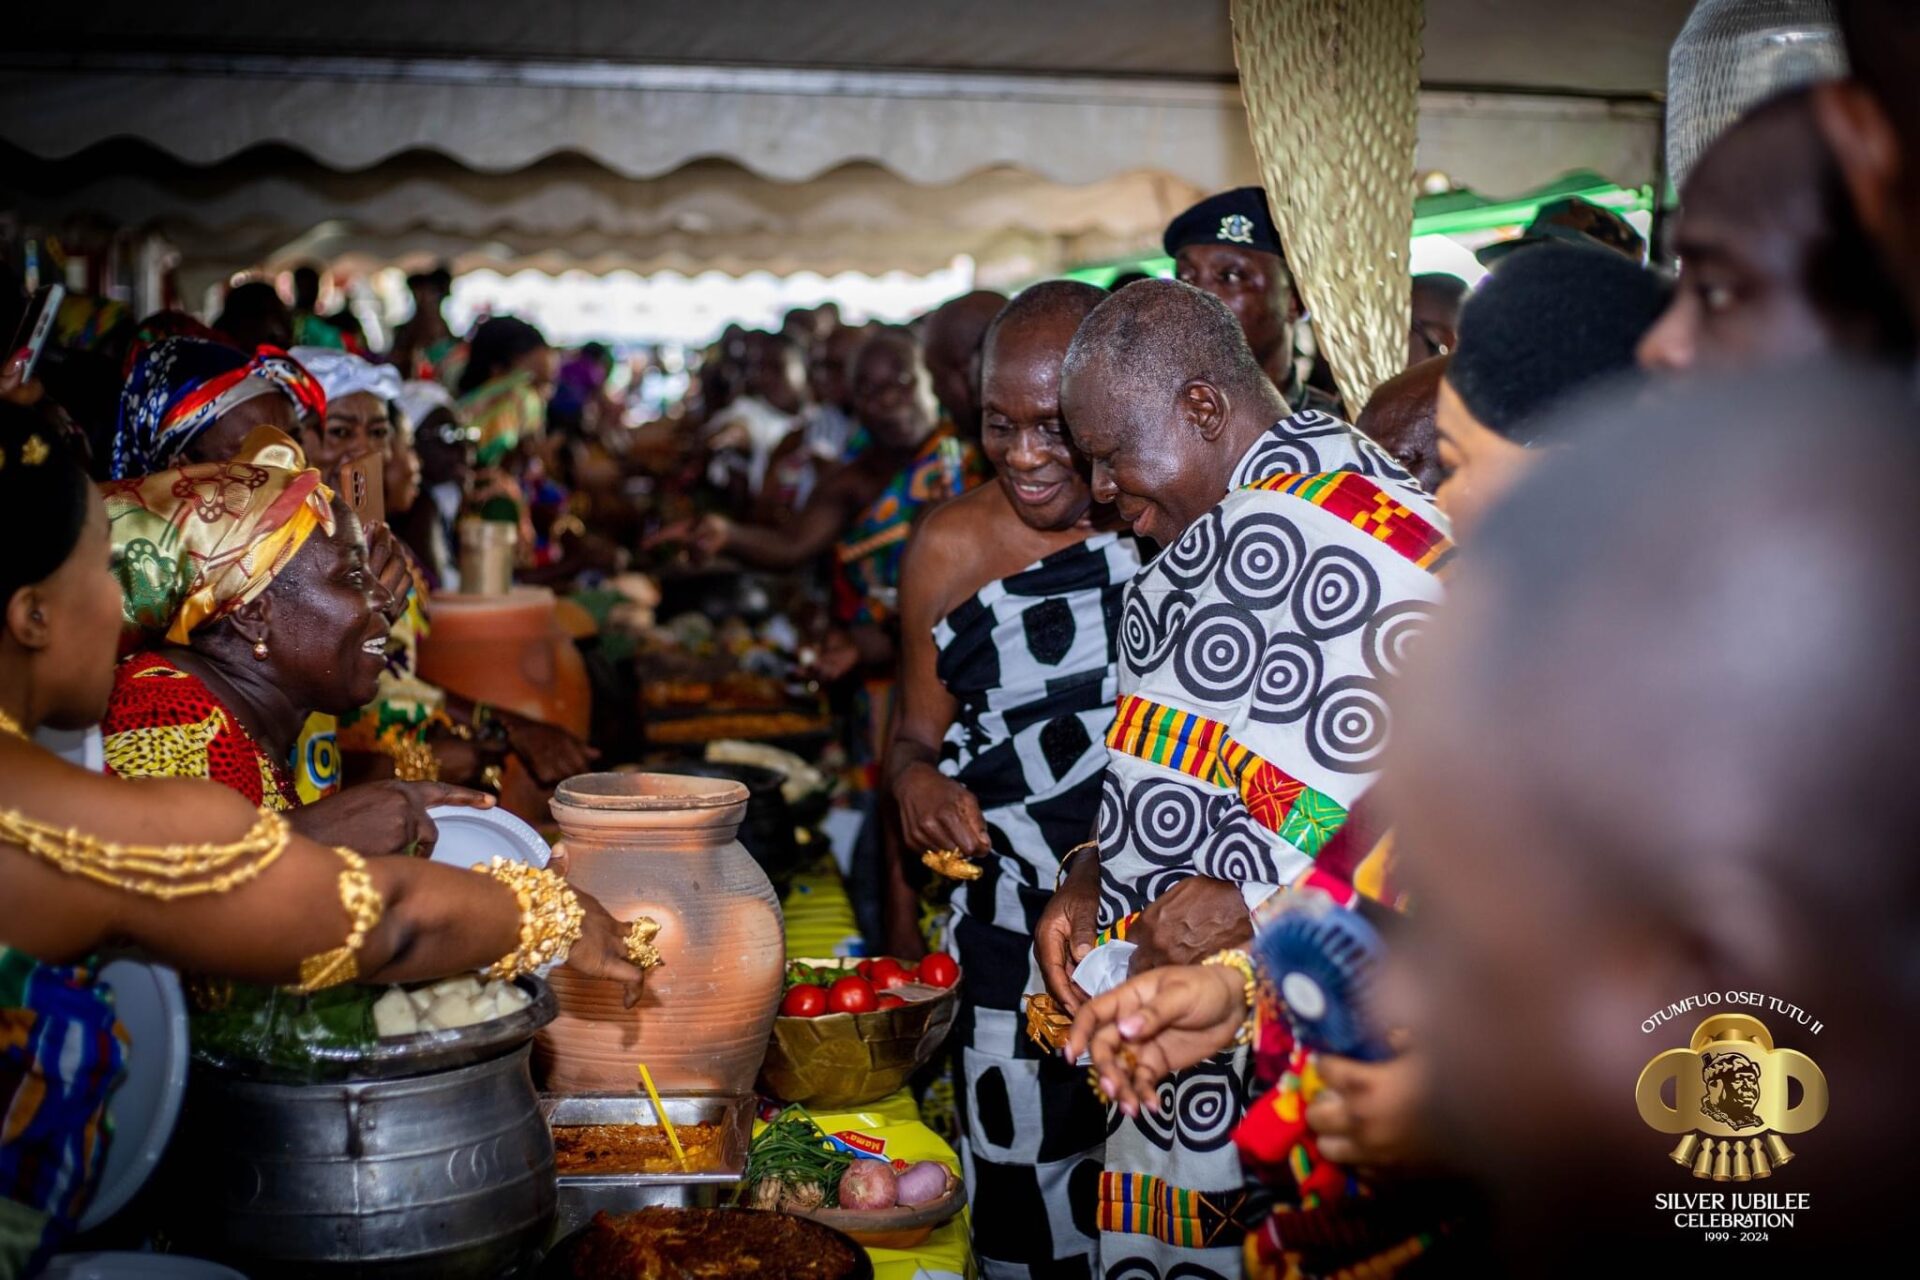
1161, 1022
379, 818
1372, 1113
938, 813
1067, 929
1189, 922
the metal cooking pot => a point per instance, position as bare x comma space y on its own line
427, 1156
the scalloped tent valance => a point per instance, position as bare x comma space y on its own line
1072, 92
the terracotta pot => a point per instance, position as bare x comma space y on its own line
649, 844
508, 650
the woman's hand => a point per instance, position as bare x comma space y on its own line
551, 754
378, 818
601, 951
389, 564
1372, 1113
1161, 1022
1067, 928
1189, 922
938, 813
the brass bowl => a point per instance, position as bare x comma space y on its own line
842, 1060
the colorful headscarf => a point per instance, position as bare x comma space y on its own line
162, 325
194, 543
181, 386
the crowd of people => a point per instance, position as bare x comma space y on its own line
1543, 671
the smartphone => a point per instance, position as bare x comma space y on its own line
35, 327
363, 482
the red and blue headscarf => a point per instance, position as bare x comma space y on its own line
180, 386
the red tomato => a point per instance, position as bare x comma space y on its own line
804, 1001
891, 1002
939, 970
888, 974
864, 968
851, 995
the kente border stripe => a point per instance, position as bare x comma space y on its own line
1142, 1204
1201, 748
1370, 509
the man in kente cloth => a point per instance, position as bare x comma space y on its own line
1299, 563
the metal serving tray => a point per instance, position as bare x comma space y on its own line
583, 1195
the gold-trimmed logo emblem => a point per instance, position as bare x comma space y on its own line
1730, 1099
1236, 228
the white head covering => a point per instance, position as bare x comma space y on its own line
341, 373
419, 398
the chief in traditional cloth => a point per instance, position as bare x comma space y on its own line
1010, 611
1298, 567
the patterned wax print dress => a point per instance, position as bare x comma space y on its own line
1030, 660
163, 722
61, 1054
1253, 657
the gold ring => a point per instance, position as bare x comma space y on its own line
638, 944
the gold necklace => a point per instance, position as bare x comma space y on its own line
11, 727
152, 871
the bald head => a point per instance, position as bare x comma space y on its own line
1645, 706
1163, 396
951, 338
1154, 337
1399, 418
1049, 304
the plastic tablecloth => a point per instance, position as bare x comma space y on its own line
820, 923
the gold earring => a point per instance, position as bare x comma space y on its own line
260, 650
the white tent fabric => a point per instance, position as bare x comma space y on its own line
1074, 91
835, 135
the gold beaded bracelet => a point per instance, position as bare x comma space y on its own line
551, 918
413, 760
1239, 961
364, 907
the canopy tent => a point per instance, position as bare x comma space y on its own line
822, 136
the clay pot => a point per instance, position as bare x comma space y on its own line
664, 847
509, 650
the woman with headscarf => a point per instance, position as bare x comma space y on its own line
427, 732
189, 873
193, 400
248, 585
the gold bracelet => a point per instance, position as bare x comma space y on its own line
166, 871
1238, 960
364, 907
413, 760
551, 918
1066, 860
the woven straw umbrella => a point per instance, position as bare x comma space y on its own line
1332, 92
